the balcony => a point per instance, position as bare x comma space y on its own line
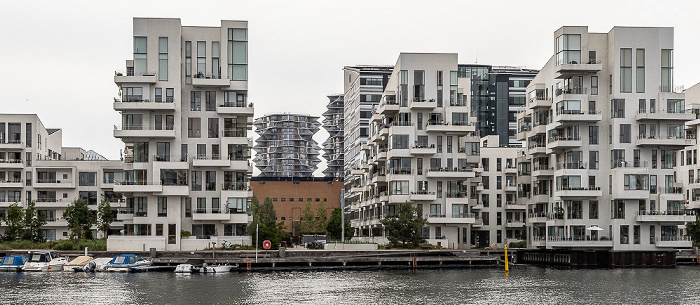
670, 216
569, 117
462, 218
378, 178
539, 217
138, 187
510, 187
388, 108
674, 242
125, 215
539, 101
418, 104
236, 190
563, 142
512, 205
644, 140
134, 132
423, 150
11, 163
537, 148
460, 173
578, 192
11, 184
514, 223
143, 104
571, 68
665, 114
578, 242
447, 128
53, 183
542, 170
238, 217
423, 196
121, 77
240, 109
11, 145
211, 215
209, 81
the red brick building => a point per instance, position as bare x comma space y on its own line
289, 196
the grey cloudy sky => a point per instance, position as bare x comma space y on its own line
57, 58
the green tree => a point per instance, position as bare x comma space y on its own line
14, 221
308, 223
32, 223
404, 230
321, 217
80, 219
104, 217
265, 217
334, 227
694, 230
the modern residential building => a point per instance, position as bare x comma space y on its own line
497, 95
604, 128
501, 217
688, 169
290, 196
363, 86
34, 166
185, 116
285, 146
333, 146
423, 149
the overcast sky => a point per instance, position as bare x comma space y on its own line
57, 58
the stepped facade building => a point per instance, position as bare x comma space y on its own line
185, 121
604, 128
333, 146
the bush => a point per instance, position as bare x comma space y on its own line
92, 244
520, 244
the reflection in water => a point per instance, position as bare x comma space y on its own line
458, 286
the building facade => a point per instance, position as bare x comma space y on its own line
35, 167
285, 146
290, 196
333, 146
185, 121
422, 149
497, 95
363, 87
604, 127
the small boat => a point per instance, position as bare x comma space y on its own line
13, 263
98, 264
77, 264
188, 268
218, 269
126, 263
44, 261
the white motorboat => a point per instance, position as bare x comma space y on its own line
188, 268
98, 264
44, 261
218, 269
127, 263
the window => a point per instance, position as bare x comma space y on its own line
618, 209
162, 206
640, 71
594, 85
636, 182
188, 62
593, 160
625, 70
169, 95
163, 151
418, 85
213, 125
196, 101
624, 234
399, 141
28, 136
163, 58
238, 54
593, 135
618, 108
593, 209
87, 179
399, 188
210, 101
625, 133
194, 126
188, 207
211, 180
439, 144
140, 63
569, 49
196, 180
201, 59
449, 144
439, 88
666, 70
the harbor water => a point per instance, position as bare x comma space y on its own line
524, 285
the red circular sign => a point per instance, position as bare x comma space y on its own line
267, 244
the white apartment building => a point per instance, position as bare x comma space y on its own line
185, 117
333, 146
604, 128
501, 218
285, 146
688, 169
35, 167
363, 86
418, 138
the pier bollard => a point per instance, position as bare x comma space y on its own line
248, 264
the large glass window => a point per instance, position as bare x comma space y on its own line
638, 182
625, 70
569, 49
140, 62
399, 141
399, 188
201, 59
238, 54
173, 177
640, 71
163, 58
194, 126
196, 101
87, 178
666, 70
